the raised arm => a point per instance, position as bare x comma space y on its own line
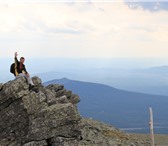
16, 54
16, 60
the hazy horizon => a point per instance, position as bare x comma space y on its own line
141, 75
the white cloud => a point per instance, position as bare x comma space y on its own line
92, 29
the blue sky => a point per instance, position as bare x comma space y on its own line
84, 29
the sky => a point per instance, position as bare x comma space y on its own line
84, 29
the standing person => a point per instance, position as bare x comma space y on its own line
20, 70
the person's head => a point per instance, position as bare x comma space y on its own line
22, 59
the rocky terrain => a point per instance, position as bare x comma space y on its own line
48, 116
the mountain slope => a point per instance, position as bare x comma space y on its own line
48, 116
124, 109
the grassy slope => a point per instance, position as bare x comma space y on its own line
160, 140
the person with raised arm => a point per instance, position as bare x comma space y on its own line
20, 70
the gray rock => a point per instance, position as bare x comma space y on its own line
61, 141
48, 116
1, 86
74, 99
37, 143
37, 81
28, 117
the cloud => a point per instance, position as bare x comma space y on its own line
61, 30
153, 6
47, 18
91, 29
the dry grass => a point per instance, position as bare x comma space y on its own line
115, 134
160, 140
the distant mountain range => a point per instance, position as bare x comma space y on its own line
153, 80
124, 109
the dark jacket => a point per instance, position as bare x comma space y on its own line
20, 68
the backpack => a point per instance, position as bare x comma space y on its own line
12, 68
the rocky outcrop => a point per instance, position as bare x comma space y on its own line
48, 116
40, 116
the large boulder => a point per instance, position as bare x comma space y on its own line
38, 116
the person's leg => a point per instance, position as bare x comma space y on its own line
29, 80
20, 75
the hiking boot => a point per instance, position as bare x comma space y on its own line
31, 87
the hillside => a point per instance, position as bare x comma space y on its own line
160, 140
48, 116
125, 109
